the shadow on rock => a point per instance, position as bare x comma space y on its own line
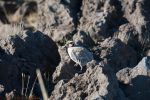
139, 90
24, 53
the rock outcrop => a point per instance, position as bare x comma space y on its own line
24, 53
98, 82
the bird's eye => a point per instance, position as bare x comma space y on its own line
70, 45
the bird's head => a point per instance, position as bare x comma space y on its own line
70, 44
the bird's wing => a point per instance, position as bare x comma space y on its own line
80, 55
83, 55
72, 54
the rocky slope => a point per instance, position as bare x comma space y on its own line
34, 34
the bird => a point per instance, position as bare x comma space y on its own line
79, 54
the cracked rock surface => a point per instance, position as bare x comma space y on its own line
35, 34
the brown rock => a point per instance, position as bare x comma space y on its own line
136, 80
54, 20
93, 84
118, 54
24, 53
137, 13
128, 35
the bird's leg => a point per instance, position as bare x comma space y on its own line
81, 67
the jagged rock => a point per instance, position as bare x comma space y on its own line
96, 27
97, 18
128, 35
55, 20
83, 39
24, 53
136, 80
142, 68
124, 75
74, 7
66, 69
118, 54
127, 74
137, 13
88, 23
93, 84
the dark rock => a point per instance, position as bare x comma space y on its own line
137, 13
55, 20
116, 31
74, 7
137, 80
118, 54
24, 53
128, 35
97, 18
127, 74
124, 75
93, 84
83, 39
66, 68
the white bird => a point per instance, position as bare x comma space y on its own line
80, 55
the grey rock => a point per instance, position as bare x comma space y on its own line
97, 17
127, 74
127, 34
118, 54
55, 20
95, 26
124, 75
24, 53
93, 84
143, 68
137, 13
83, 39
136, 80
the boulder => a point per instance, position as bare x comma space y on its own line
24, 53
55, 20
98, 18
135, 81
83, 39
137, 13
128, 35
96, 83
118, 54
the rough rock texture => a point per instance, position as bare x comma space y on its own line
115, 31
93, 84
83, 39
137, 13
136, 80
128, 35
55, 20
66, 69
127, 74
95, 28
25, 52
97, 18
118, 54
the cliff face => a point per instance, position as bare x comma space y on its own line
34, 34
